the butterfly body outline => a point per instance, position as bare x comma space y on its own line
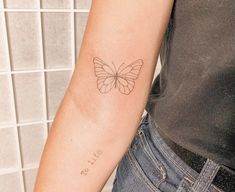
122, 78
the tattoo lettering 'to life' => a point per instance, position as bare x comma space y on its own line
91, 162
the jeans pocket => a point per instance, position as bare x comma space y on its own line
144, 162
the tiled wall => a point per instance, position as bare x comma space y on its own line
39, 42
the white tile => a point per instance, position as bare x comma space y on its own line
25, 42
158, 67
10, 183
55, 4
80, 21
57, 82
32, 143
109, 184
4, 61
29, 97
83, 4
6, 102
57, 40
30, 176
8, 148
21, 3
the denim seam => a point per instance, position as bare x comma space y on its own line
145, 145
163, 148
214, 168
192, 178
186, 172
215, 188
183, 184
139, 172
201, 177
166, 148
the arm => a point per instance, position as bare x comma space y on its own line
94, 124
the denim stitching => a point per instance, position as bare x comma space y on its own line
215, 188
198, 181
184, 171
215, 168
139, 172
183, 184
163, 148
159, 166
150, 153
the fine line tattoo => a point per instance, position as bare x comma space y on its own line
122, 78
91, 162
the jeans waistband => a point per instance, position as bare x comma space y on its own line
166, 150
169, 150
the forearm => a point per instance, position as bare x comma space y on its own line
94, 126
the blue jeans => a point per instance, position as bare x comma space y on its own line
150, 165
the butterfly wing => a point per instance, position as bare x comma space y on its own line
132, 70
125, 85
102, 69
105, 75
127, 76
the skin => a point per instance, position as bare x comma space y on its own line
92, 131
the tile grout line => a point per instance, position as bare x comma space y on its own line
20, 167
19, 154
44, 10
35, 71
17, 169
73, 35
44, 85
25, 124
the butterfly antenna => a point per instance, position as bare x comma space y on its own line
114, 67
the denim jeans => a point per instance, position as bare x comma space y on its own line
150, 165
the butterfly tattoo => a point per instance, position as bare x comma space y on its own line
122, 78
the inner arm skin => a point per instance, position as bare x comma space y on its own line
91, 130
